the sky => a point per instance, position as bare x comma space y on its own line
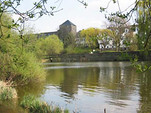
74, 11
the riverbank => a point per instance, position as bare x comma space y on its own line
7, 92
10, 101
101, 56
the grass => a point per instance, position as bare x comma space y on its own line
34, 105
6, 92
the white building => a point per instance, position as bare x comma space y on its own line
109, 44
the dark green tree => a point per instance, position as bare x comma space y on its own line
66, 37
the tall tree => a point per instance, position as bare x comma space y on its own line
91, 36
144, 24
105, 37
120, 30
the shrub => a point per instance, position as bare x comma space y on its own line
6, 92
28, 67
21, 67
34, 105
18, 63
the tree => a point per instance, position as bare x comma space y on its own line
91, 36
49, 46
18, 66
11, 6
68, 38
144, 24
121, 32
105, 37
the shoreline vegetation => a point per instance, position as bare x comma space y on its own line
34, 105
29, 103
7, 92
20, 59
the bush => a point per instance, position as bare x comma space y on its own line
6, 92
34, 105
21, 67
18, 63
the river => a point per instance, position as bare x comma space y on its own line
92, 87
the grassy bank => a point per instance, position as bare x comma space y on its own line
34, 105
7, 92
30, 104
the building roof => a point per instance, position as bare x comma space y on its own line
68, 23
46, 34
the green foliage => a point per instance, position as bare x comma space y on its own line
6, 92
34, 105
140, 66
125, 57
49, 46
77, 50
105, 36
144, 32
21, 67
66, 37
18, 61
91, 36
29, 40
66, 111
38, 9
6, 22
132, 43
144, 24
69, 40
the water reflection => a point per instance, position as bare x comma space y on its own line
91, 87
34, 88
145, 93
69, 80
95, 86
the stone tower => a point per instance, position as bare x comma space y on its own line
67, 33
68, 27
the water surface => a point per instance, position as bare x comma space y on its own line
93, 87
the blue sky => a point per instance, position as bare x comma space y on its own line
75, 12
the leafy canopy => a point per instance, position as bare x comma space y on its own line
49, 46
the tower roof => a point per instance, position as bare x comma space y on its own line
68, 23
